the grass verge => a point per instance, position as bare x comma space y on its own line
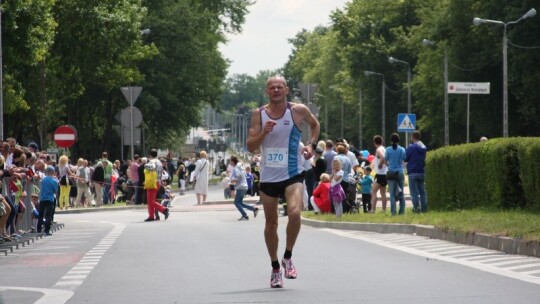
515, 224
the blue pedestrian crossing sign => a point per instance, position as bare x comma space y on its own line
406, 122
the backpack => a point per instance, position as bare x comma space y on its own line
150, 178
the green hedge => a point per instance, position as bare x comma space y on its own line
501, 173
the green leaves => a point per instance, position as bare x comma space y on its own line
65, 61
366, 33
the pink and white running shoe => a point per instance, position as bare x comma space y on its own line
276, 280
290, 270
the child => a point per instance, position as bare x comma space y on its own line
366, 182
321, 196
225, 180
167, 197
35, 208
337, 177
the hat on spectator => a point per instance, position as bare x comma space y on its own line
33, 145
49, 169
319, 150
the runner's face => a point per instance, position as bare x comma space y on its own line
276, 90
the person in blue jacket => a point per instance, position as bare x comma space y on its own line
47, 200
395, 156
416, 162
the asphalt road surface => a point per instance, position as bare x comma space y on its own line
204, 255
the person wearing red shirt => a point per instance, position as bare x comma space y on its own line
321, 198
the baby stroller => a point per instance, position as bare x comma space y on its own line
122, 186
351, 203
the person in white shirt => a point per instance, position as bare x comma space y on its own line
238, 179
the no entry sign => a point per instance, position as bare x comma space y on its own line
65, 136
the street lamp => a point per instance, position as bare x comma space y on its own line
394, 60
427, 42
325, 113
333, 87
478, 21
1, 81
383, 94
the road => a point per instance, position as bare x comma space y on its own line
204, 255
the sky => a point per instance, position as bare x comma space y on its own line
263, 44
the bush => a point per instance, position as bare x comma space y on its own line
500, 173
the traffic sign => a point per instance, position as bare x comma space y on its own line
468, 87
65, 136
131, 94
125, 117
406, 122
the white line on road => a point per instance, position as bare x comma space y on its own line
50, 296
477, 265
72, 279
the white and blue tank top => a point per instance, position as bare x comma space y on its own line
280, 150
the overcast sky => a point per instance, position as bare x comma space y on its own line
263, 45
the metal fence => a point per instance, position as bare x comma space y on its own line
24, 222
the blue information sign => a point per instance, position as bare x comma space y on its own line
406, 122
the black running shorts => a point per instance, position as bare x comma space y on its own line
278, 189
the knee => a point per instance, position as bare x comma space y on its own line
294, 214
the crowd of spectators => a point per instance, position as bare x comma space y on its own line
81, 184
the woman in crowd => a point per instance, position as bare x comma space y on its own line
201, 178
64, 175
82, 182
395, 156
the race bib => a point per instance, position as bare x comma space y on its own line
275, 157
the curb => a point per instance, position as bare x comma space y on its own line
97, 209
504, 244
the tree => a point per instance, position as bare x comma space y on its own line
189, 70
96, 50
27, 35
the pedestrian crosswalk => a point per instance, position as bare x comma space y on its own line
519, 267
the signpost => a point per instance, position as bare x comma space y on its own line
131, 94
65, 136
468, 88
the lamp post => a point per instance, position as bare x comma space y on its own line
325, 113
427, 42
478, 21
1, 83
383, 96
409, 106
360, 131
333, 87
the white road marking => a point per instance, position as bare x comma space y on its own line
386, 241
78, 273
50, 296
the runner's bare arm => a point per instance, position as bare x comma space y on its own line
303, 113
256, 132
